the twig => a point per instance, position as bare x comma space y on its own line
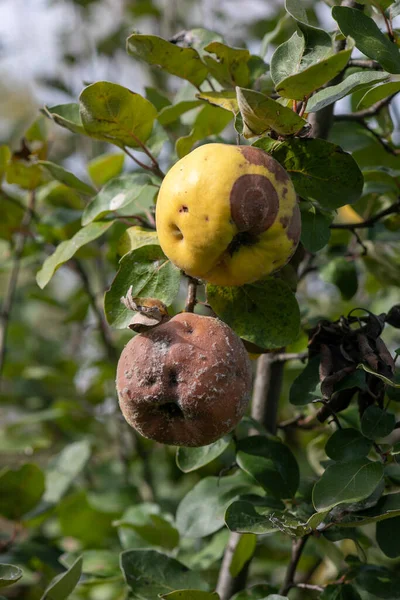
266, 392
300, 421
389, 27
191, 294
371, 111
285, 356
210, 83
227, 585
155, 168
12, 284
309, 586
297, 551
364, 64
393, 209
103, 327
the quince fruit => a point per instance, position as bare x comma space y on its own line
228, 214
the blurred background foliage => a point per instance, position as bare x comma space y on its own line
58, 406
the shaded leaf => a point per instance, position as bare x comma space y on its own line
265, 313
66, 177
255, 592
116, 194
315, 230
153, 529
340, 592
63, 585
150, 574
346, 482
66, 115
377, 423
343, 274
379, 581
64, 468
182, 62
113, 113
191, 595
5, 155
190, 459
351, 84
201, 512
346, 444
21, 490
9, 574
368, 37
271, 463
319, 170
306, 387
66, 250
262, 114
150, 274
388, 536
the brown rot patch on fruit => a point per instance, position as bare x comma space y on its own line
254, 203
172, 410
206, 218
294, 228
256, 156
183, 209
284, 221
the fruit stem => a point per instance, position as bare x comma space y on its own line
191, 294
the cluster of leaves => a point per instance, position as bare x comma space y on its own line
105, 489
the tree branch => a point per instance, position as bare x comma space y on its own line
371, 111
266, 392
12, 284
191, 294
103, 327
365, 64
393, 209
297, 550
227, 585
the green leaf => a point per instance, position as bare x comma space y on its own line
66, 250
182, 62
104, 167
352, 83
346, 444
190, 595
27, 175
104, 563
306, 387
153, 529
340, 592
225, 99
117, 194
301, 85
201, 512
319, 170
21, 490
255, 592
63, 585
315, 230
230, 67
265, 313
388, 536
286, 59
9, 574
136, 237
67, 116
343, 274
64, 469
113, 113
5, 155
346, 482
190, 459
379, 92
368, 37
169, 114
245, 517
66, 177
318, 43
379, 581
80, 519
243, 553
271, 463
211, 120
150, 274
377, 423
151, 574
262, 114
